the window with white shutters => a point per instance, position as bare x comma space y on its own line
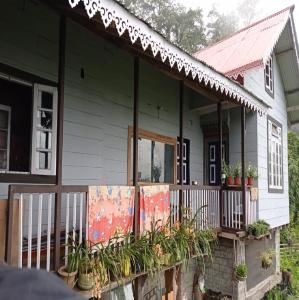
275, 168
44, 130
269, 76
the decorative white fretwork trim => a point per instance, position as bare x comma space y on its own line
113, 12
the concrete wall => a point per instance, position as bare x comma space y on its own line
273, 207
254, 250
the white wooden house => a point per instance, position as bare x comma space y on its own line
82, 81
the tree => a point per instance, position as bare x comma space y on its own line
293, 150
248, 11
182, 26
220, 25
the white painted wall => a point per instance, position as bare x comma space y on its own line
273, 207
98, 108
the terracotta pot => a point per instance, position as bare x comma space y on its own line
68, 278
250, 181
237, 180
230, 180
85, 281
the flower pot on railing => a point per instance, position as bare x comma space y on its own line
250, 181
237, 180
230, 180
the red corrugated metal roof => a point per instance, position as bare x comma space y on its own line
246, 48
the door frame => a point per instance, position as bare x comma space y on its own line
209, 138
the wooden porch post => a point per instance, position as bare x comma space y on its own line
61, 79
181, 138
219, 111
243, 165
135, 144
138, 283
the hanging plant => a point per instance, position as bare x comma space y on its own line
267, 258
241, 272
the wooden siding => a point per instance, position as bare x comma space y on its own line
98, 107
273, 207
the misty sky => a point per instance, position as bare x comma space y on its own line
265, 7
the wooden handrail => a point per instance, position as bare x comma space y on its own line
193, 187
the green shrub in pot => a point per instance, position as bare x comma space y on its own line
241, 272
69, 271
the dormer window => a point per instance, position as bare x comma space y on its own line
269, 76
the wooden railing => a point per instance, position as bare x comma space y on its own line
233, 210
35, 223
31, 232
200, 202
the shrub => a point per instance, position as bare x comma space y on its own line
258, 228
241, 270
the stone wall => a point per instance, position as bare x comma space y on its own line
219, 271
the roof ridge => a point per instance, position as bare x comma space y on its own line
291, 8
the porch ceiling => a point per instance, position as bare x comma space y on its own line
112, 21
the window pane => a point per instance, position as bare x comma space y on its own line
144, 160
44, 160
47, 100
3, 139
44, 139
3, 160
156, 162
44, 119
3, 119
169, 161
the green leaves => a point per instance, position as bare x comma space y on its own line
293, 147
258, 228
181, 26
241, 270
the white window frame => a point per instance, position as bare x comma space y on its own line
38, 89
275, 156
8, 109
269, 75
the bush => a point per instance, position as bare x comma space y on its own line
288, 235
241, 270
258, 228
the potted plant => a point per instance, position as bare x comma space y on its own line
126, 254
241, 272
86, 274
267, 258
227, 173
237, 174
258, 229
251, 173
69, 271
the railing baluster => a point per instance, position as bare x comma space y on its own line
67, 221
81, 218
29, 232
74, 217
39, 229
49, 232
20, 260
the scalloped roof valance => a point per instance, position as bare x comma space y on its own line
113, 12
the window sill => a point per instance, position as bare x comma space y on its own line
23, 177
275, 190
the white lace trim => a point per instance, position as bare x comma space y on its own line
111, 11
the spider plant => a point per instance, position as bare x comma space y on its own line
145, 255
126, 254
69, 271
